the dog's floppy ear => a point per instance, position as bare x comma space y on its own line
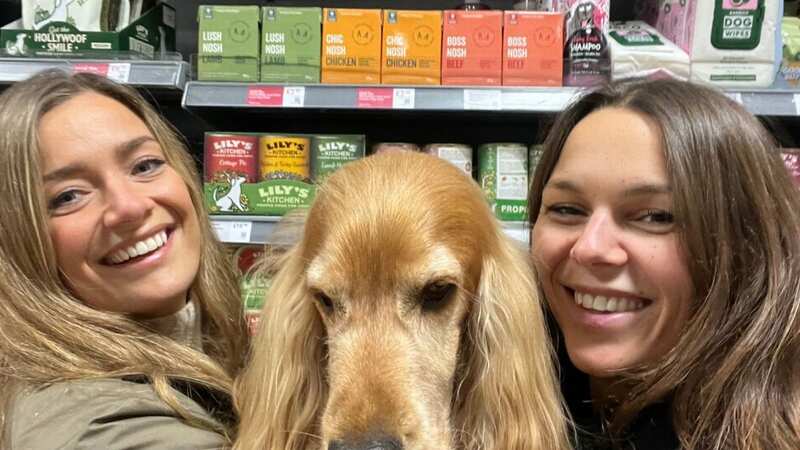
279, 394
507, 395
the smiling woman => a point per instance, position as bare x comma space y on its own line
121, 321
665, 236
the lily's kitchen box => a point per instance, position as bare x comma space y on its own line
412, 47
290, 44
351, 46
227, 43
533, 44
150, 36
472, 47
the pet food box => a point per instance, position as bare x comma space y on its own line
472, 48
790, 66
228, 43
533, 45
271, 174
150, 36
351, 46
290, 45
412, 47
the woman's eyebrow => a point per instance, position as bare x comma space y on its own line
122, 152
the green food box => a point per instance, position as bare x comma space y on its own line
227, 43
291, 42
150, 36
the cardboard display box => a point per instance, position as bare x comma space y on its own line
149, 37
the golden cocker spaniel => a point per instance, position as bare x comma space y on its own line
404, 319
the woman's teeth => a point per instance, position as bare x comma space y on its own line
140, 248
602, 303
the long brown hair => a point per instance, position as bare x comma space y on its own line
733, 375
46, 333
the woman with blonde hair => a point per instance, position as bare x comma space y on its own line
120, 321
666, 232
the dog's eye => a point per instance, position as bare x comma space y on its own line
324, 300
434, 295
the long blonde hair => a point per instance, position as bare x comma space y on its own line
47, 334
733, 375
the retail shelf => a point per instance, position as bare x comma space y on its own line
203, 94
151, 74
259, 230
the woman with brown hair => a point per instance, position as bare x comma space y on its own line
666, 236
120, 321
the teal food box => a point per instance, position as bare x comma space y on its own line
290, 44
149, 36
227, 43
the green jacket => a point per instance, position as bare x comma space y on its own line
104, 414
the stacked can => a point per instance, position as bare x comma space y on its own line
285, 158
384, 146
332, 152
503, 176
459, 155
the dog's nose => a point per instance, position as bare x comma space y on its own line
384, 443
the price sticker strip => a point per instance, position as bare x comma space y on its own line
233, 231
119, 72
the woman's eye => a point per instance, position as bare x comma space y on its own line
564, 212
64, 199
148, 166
658, 217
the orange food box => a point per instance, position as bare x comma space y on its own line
533, 44
472, 47
351, 46
412, 46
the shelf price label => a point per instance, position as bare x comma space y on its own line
232, 231
735, 96
483, 99
403, 98
265, 95
382, 98
294, 96
796, 101
119, 72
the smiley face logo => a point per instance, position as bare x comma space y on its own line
483, 36
239, 31
544, 37
301, 33
363, 34
423, 35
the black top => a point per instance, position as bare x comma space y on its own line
651, 430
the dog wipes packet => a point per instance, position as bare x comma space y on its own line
85, 15
639, 50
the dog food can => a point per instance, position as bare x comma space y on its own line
285, 157
534, 155
332, 152
384, 146
231, 155
503, 176
459, 155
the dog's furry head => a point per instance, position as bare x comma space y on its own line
404, 319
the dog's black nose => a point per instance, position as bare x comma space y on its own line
384, 443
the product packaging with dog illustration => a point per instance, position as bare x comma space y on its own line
227, 43
586, 54
53, 33
290, 44
271, 174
